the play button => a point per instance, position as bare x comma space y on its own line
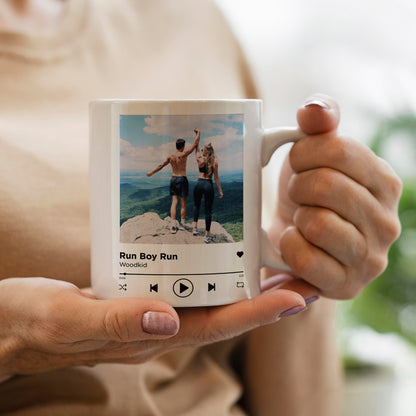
183, 288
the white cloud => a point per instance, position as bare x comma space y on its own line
228, 149
143, 158
183, 126
224, 141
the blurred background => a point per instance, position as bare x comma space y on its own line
362, 54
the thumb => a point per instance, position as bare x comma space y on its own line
126, 319
320, 114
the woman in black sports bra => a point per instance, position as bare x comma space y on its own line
208, 166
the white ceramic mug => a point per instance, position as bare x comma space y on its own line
137, 248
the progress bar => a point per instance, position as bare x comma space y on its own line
178, 274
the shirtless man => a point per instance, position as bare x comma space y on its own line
179, 182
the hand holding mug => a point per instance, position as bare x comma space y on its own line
69, 327
337, 213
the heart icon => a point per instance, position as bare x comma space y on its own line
240, 253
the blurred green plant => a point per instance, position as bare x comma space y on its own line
388, 304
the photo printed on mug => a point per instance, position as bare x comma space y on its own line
181, 198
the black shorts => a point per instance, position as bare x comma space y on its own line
179, 186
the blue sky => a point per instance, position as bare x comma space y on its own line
145, 141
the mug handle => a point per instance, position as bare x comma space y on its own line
273, 139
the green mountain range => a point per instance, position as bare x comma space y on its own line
228, 211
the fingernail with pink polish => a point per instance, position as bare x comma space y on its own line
159, 323
317, 102
311, 299
292, 311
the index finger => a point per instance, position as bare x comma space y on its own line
207, 325
347, 156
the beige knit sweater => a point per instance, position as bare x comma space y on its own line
101, 49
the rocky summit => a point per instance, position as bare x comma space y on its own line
151, 229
